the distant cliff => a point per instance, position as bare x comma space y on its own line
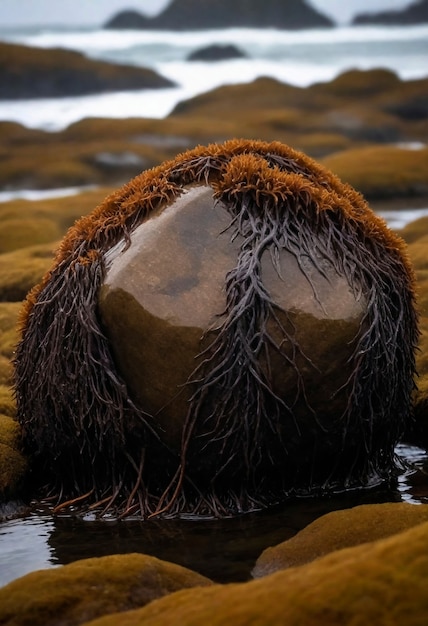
416, 13
205, 14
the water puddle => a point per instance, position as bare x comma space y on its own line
224, 550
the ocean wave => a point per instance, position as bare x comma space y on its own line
100, 39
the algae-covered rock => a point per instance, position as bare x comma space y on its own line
21, 269
13, 464
384, 582
7, 401
340, 529
21, 233
382, 172
248, 360
84, 590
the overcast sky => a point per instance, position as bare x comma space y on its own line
88, 12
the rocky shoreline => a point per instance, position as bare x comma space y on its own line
370, 129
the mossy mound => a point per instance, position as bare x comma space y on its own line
21, 233
356, 108
21, 269
340, 529
415, 230
13, 464
381, 172
7, 401
384, 582
84, 590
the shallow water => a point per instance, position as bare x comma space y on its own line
224, 550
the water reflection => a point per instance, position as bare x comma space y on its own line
224, 550
24, 546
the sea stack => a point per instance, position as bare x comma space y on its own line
230, 328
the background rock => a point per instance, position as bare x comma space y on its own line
37, 73
216, 52
192, 15
415, 13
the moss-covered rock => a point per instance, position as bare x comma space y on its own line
358, 107
84, 590
20, 233
21, 269
13, 464
340, 529
384, 582
7, 401
382, 171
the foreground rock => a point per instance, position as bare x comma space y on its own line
378, 583
231, 358
84, 590
37, 73
340, 529
416, 13
194, 15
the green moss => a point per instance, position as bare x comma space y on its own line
341, 529
13, 465
83, 590
377, 583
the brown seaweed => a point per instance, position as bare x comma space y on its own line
89, 439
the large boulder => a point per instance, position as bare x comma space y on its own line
27, 72
238, 327
192, 15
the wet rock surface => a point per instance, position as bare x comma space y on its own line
163, 294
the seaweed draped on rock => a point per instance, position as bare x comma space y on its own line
229, 328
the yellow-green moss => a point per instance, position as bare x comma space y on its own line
13, 464
384, 582
341, 529
89, 588
7, 401
415, 230
21, 233
382, 171
21, 269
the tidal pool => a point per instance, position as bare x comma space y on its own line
224, 550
